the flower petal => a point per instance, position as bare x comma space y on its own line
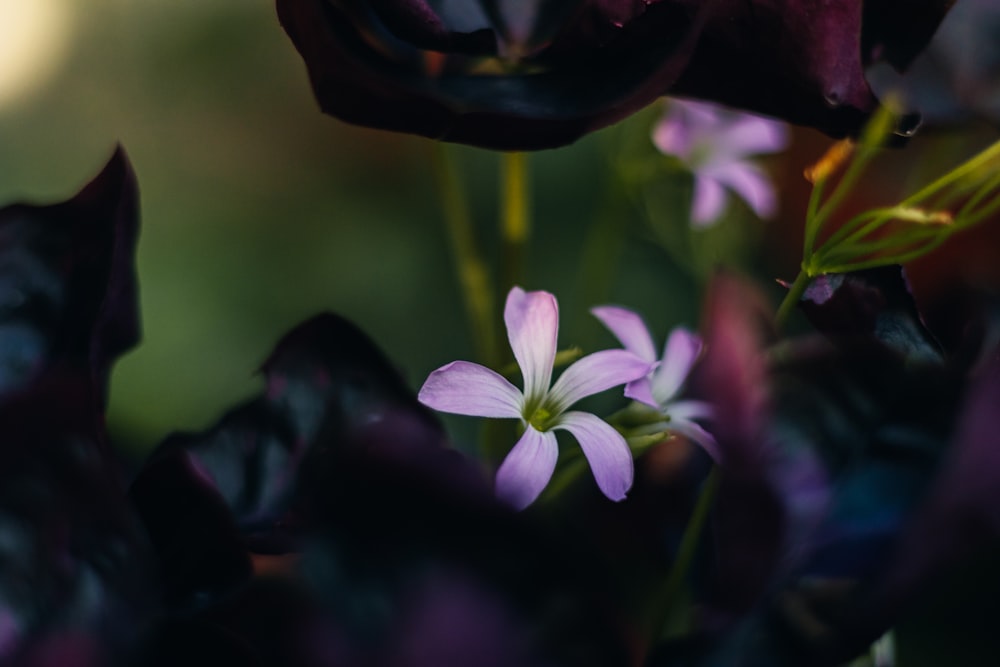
698, 434
689, 410
708, 202
751, 184
595, 373
629, 329
679, 354
527, 468
641, 390
532, 320
747, 134
606, 450
465, 388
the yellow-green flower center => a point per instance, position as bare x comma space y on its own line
540, 418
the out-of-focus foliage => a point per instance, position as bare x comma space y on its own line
258, 212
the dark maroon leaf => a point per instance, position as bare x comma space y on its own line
956, 78
247, 484
76, 574
540, 74
875, 304
67, 281
804, 60
844, 444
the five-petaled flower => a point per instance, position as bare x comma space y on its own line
465, 388
659, 389
714, 143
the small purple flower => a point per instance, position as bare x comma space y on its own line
714, 143
465, 388
660, 388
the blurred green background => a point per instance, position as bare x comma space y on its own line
258, 211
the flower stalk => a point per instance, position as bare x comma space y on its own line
893, 234
515, 216
473, 275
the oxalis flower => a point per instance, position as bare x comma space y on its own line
715, 144
465, 388
660, 388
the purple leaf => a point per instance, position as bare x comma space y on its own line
540, 74
874, 304
77, 577
67, 281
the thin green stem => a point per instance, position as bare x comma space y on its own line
862, 224
965, 217
473, 276
812, 228
666, 596
843, 188
965, 169
980, 215
795, 293
901, 257
515, 217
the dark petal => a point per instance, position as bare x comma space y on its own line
875, 304
551, 107
76, 574
67, 281
805, 62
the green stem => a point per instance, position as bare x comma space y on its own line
795, 293
960, 172
515, 218
965, 216
812, 226
473, 276
901, 257
815, 222
665, 598
980, 215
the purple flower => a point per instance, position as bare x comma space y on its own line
714, 144
660, 388
465, 388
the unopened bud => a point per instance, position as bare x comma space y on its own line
834, 158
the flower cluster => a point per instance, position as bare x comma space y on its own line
470, 389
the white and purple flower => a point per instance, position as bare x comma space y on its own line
465, 388
714, 143
660, 388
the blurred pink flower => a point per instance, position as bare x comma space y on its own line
465, 388
715, 144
